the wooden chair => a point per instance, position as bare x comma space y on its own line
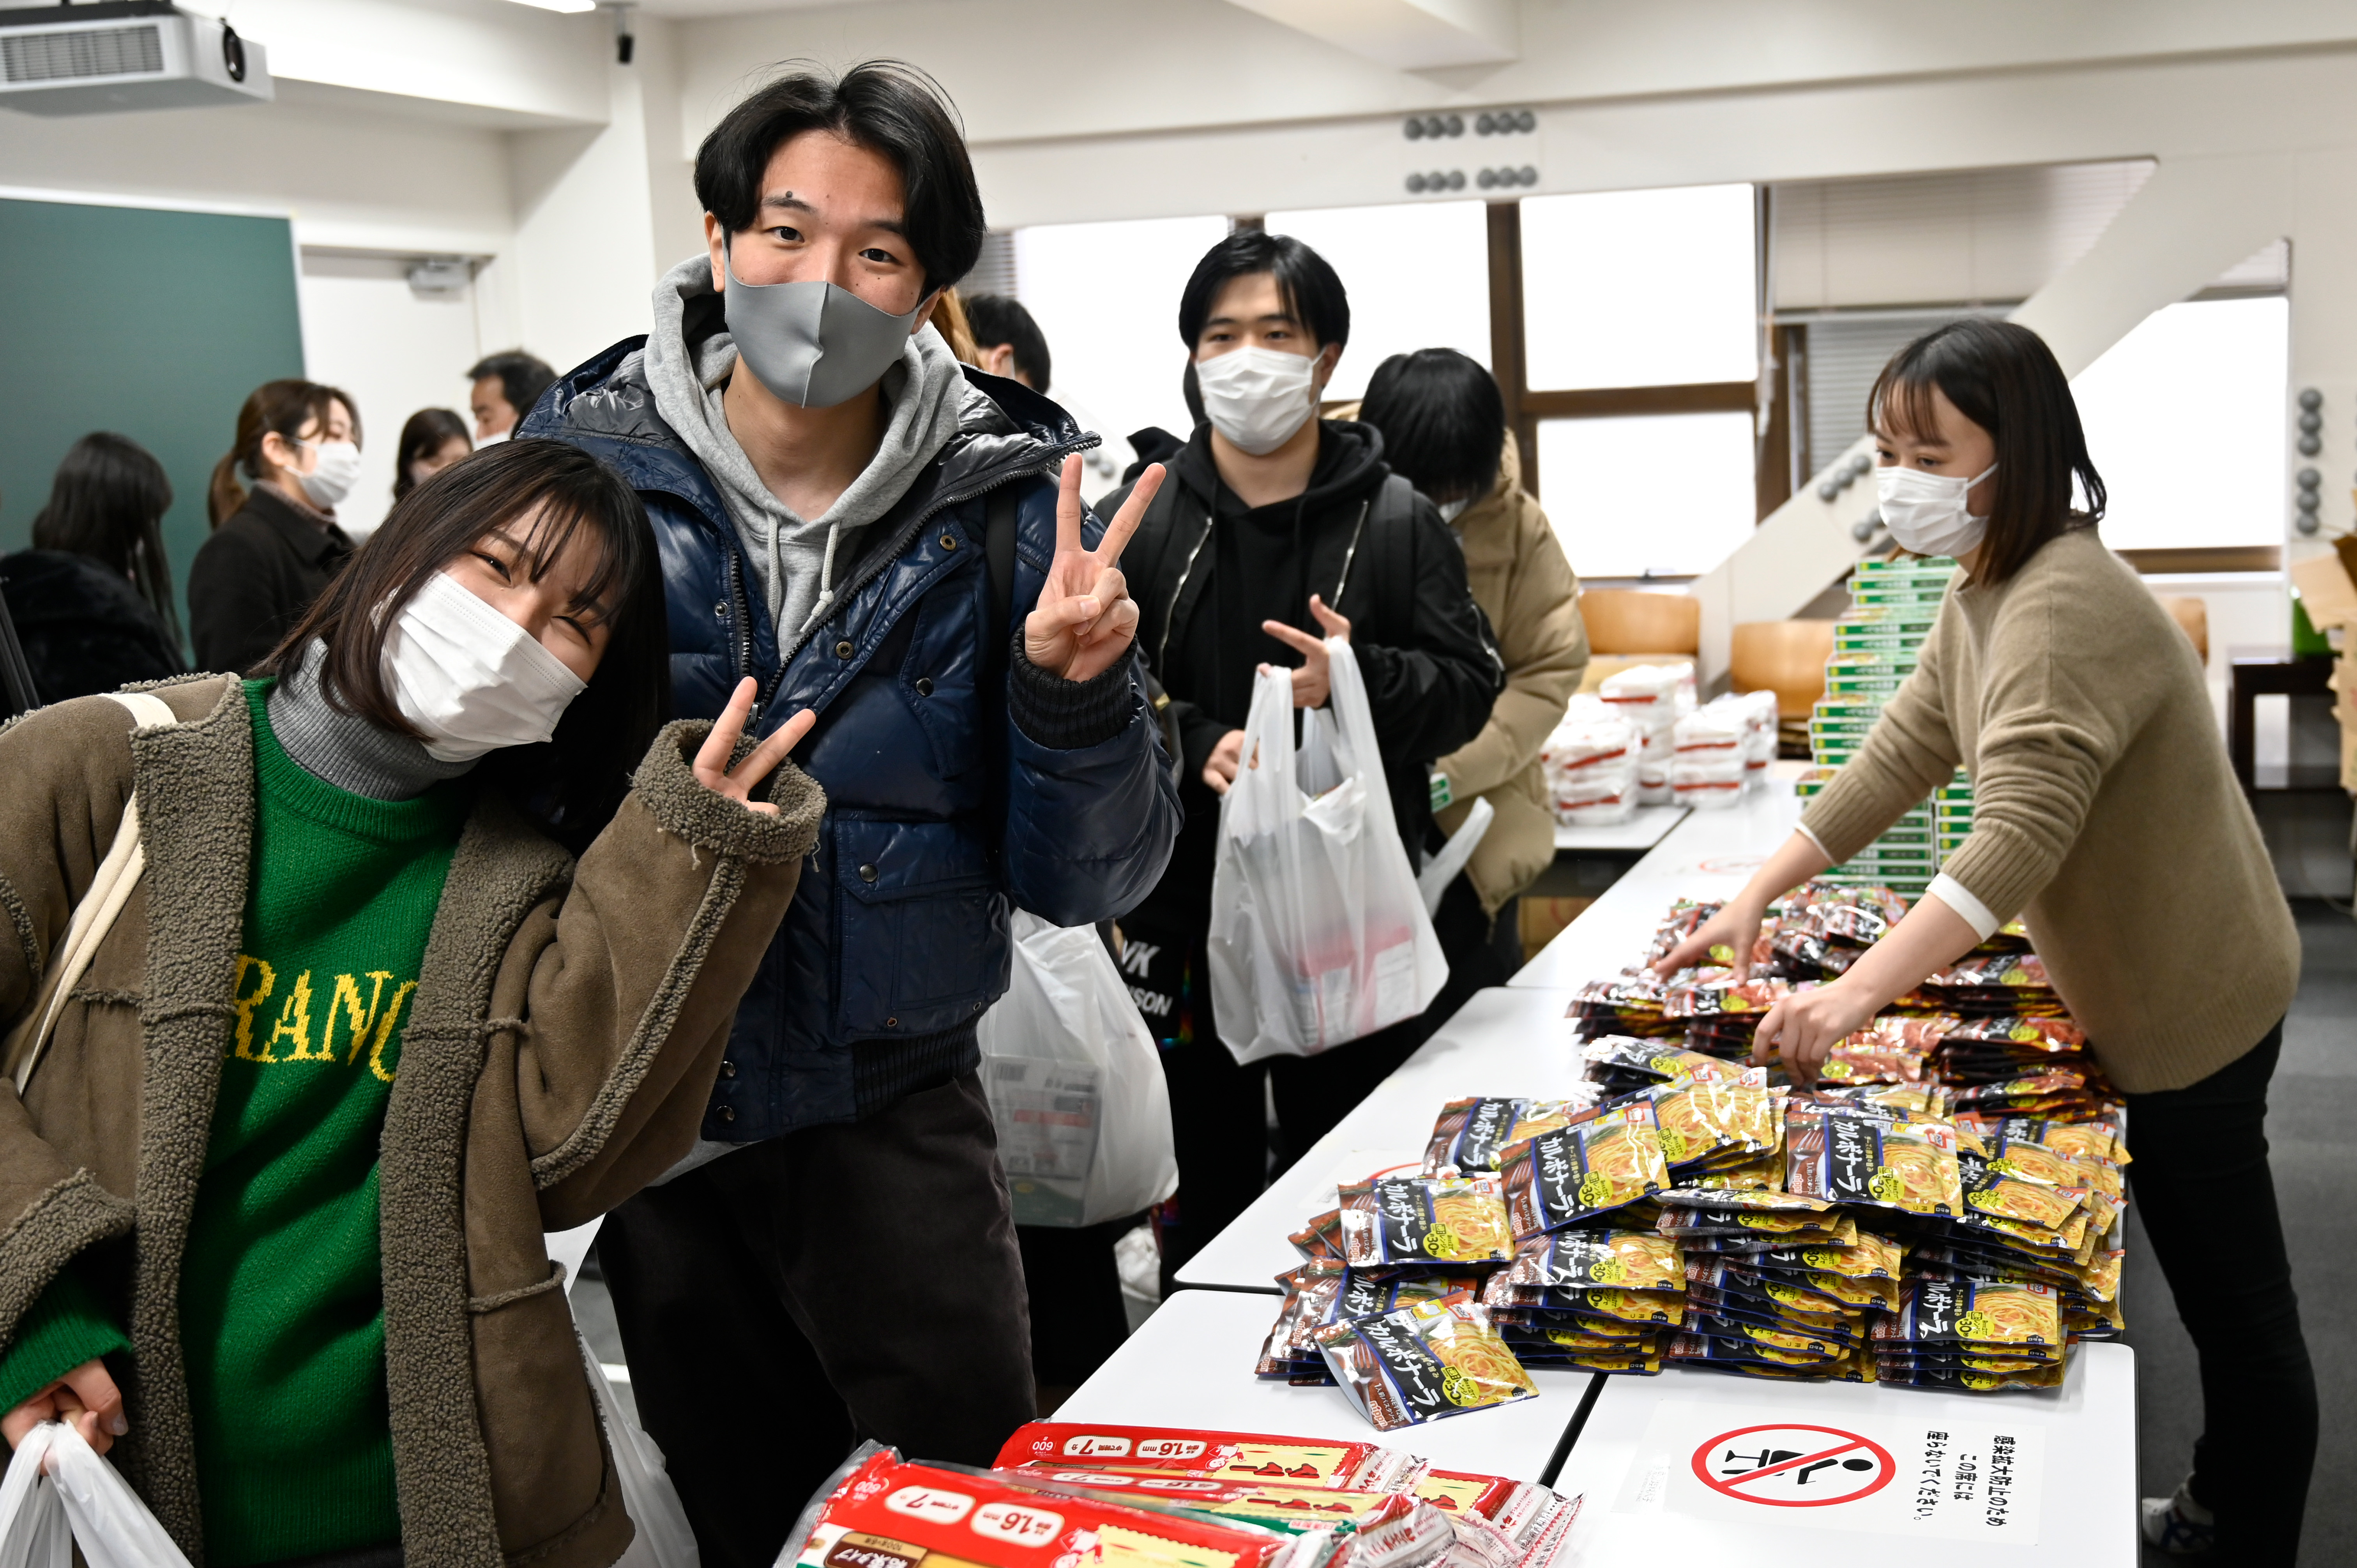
2193, 617
1629, 621
1786, 657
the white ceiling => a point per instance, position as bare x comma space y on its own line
684, 10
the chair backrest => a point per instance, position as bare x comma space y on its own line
1627, 621
1786, 657
2193, 617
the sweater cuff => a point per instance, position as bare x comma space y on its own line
1803, 830
1067, 715
1959, 897
1852, 812
64, 1327
2001, 867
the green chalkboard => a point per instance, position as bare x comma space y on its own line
152, 324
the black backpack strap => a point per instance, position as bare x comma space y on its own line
1381, 551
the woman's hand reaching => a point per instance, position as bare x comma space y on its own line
712, 769
86, 1397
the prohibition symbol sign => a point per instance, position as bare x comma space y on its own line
1788, 1465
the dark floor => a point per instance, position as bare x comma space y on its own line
2313, 1128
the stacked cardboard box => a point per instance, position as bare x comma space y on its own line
1876, 644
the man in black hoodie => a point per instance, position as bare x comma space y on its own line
1280, 530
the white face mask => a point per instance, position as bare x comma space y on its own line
338, 470
469, 679
494, 438
1257, 397
1925, 513
1451, 510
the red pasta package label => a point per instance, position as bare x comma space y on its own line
1198, 1451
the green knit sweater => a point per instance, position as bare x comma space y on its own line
281, 1312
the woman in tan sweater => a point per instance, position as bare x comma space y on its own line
2106, 817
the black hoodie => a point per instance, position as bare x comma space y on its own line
1432, 668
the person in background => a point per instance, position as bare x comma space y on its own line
506, 386
2106, 817
92, 598
1010, 342
375, 1029
1444, 429
850, 516
431, 440
273, 548
1279, 530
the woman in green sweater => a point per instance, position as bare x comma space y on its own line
275, 1179
2104, 815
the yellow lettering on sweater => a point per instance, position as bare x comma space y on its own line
246, 1002
346, 1005
295, 1024
368, 1024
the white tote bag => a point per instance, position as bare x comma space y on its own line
1319, 934
84, 1502
1075, 1084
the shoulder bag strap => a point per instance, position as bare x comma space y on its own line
94, 918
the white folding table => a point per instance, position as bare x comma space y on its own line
1694, 1467
1504, 1041
1191, 1365
1642, 831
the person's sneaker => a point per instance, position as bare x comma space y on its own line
2177, 1524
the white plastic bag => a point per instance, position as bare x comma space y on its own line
1319, 935
663, 1539
1075, 1084
84, 1502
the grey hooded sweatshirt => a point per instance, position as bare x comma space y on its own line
794, 557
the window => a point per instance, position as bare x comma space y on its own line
1419, 278
2185, 418
1602, 485
1639, 288
1107, 298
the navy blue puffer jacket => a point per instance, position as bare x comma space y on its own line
942, 809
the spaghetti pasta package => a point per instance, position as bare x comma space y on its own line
1198, 1451
1522, 1524
1380, 1530
1867, 1256
1888, 1050
1628, 1260
885, 1510
1425, 1362
1837, 1154
1424, 1222
1579, 1172
1321, 1239
1991, 1189
1963, 1313
1466, 1138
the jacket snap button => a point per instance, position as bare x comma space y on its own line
727, 1068
924, 686
949, 542
867, 874
891, 1022
844, 650
721, 609
726, 1113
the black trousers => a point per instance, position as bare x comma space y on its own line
787, 1300
1077, 1316
2201, 1188
1219, 1115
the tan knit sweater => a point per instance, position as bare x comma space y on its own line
2104, 810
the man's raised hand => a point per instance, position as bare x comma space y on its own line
1085, 619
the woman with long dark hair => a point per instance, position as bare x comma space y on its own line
2106, 817
275, 544
364, 1029
431, 440
92, 599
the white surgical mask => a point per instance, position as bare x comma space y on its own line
471, 680
338, 469
494, 438
1451, 510
1925, 513
1257, 397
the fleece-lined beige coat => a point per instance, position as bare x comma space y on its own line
569, 1022
1525, 584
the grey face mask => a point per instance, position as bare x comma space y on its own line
812, 343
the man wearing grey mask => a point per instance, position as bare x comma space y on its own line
897, 542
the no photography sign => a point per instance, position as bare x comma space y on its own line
1914, 1473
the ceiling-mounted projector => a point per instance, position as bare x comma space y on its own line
119, 54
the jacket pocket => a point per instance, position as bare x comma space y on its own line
923, 942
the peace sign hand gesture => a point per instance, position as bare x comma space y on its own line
712, 769
1085, 619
